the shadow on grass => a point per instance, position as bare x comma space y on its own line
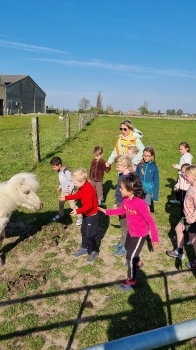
107, 186
23, 225
146, 311
174, 212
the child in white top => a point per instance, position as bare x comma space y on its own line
66, 187
186, 157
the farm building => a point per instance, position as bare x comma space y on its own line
2, 96
21, 94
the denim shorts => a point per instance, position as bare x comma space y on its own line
190, 228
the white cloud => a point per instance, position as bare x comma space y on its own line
26, 47
127, 69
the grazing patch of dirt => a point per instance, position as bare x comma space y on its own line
25, 281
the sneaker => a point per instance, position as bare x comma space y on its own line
175, 254
174, 201
57, 218
79, 222
129, 284
92, 257
191, 265
140, 264
117, 246
189, 243
120, 252
80, 252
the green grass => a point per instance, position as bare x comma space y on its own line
156, 303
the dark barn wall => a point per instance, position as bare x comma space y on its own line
2, 98
30, 98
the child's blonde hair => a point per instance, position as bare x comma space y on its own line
80, 175
124, 160
134, 149
191, 169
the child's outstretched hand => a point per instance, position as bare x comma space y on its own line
101, 209
61, 198
156, 245
73, 212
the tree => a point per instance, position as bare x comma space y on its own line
144, 108
99, 101
145, 104
179, 112
83, 104
109, 108
159, 112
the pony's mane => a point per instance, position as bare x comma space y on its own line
25, 178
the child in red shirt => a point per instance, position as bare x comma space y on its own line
89, 210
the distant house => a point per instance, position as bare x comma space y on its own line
21, 94
132, 112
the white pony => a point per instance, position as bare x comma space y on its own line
61, 118
20, 190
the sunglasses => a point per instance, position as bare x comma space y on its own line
124, 129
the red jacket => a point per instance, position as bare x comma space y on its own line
97, 170
88, 197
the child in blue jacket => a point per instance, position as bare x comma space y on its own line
148, 173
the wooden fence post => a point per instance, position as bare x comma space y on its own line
67, 127
35, 138
80, 122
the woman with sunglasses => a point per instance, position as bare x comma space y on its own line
129, 136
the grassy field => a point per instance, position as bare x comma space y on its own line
50, 300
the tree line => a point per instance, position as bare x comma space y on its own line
84, 106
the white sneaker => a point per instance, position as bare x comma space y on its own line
174, 201
57, 217
189, 243
79, 222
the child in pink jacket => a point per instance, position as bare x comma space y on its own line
139, 222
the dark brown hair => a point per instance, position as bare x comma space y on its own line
56, 161
133, 183
186, 145
98, 150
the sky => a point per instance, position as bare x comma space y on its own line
129, 50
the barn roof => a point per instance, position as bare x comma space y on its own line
12, 79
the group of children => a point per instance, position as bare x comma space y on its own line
136, 186
186, 197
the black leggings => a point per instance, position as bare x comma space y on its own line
133, 247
